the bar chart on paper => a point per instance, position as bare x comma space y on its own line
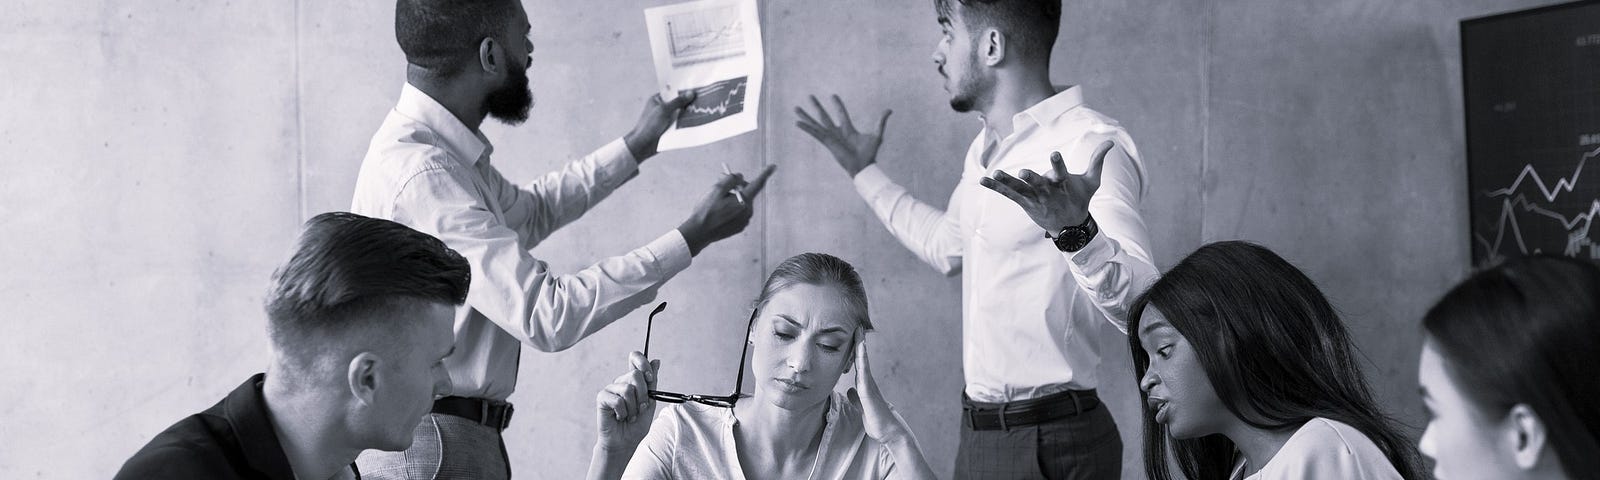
1532, 88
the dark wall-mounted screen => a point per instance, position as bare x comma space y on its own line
1532, 87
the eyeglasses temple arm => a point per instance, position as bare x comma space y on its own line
738, 385
650, 321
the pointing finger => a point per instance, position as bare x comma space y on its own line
760, 182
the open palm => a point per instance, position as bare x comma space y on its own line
852, 148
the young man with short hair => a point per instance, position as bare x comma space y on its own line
1031, 287
359, 320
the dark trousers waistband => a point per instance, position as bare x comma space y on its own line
490, 413
1001, 416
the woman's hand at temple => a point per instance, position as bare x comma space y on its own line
877, 415
883, 424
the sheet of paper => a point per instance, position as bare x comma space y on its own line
714, 48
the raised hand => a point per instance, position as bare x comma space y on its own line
853, 149
877, 415
656, 118
624, 408
721, 214
1057, 199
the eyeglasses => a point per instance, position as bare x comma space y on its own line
725, 401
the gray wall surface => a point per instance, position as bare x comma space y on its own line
159, 156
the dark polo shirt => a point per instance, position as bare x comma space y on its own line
233, 439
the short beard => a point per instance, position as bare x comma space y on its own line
510, 103
968, 89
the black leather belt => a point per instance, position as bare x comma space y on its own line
489, 413
1002, 416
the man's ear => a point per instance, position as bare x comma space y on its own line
1529, 437
491, 57
363, 377
993, 45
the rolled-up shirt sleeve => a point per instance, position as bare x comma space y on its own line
1115, 267
518, 292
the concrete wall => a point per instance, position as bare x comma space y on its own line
159, 156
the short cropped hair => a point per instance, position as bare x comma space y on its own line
345, 268
442, 36
819, 269
1030, 26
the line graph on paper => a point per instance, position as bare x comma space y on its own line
714, 101
1532, 85
705, 35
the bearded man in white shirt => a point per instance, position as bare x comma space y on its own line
1037, 277
428, 167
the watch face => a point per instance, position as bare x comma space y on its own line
1072, 239
1076, 237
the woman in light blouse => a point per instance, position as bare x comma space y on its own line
809, 327
1248, 373
1508, 373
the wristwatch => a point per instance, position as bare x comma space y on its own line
1075, 237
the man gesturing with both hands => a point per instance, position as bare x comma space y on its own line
1043, 258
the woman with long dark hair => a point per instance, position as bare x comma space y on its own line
1508, 373
1247, 372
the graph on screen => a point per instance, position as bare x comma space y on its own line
705, 35
1532, 88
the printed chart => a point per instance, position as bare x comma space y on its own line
1532, 87
705, 35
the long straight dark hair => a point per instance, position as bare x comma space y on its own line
1528, 332
1274, 350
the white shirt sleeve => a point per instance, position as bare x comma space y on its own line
519, 293
1115, 267
560, 197
933, 235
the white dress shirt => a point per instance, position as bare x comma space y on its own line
427, 170
694, 441
1027, 308
1324, 449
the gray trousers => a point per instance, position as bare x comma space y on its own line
1085, 446
443, 447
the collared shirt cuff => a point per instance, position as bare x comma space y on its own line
671, 252
1097, 252
616, 163
871, 180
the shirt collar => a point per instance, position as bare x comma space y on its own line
1065, 99
468, 145
246, 412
